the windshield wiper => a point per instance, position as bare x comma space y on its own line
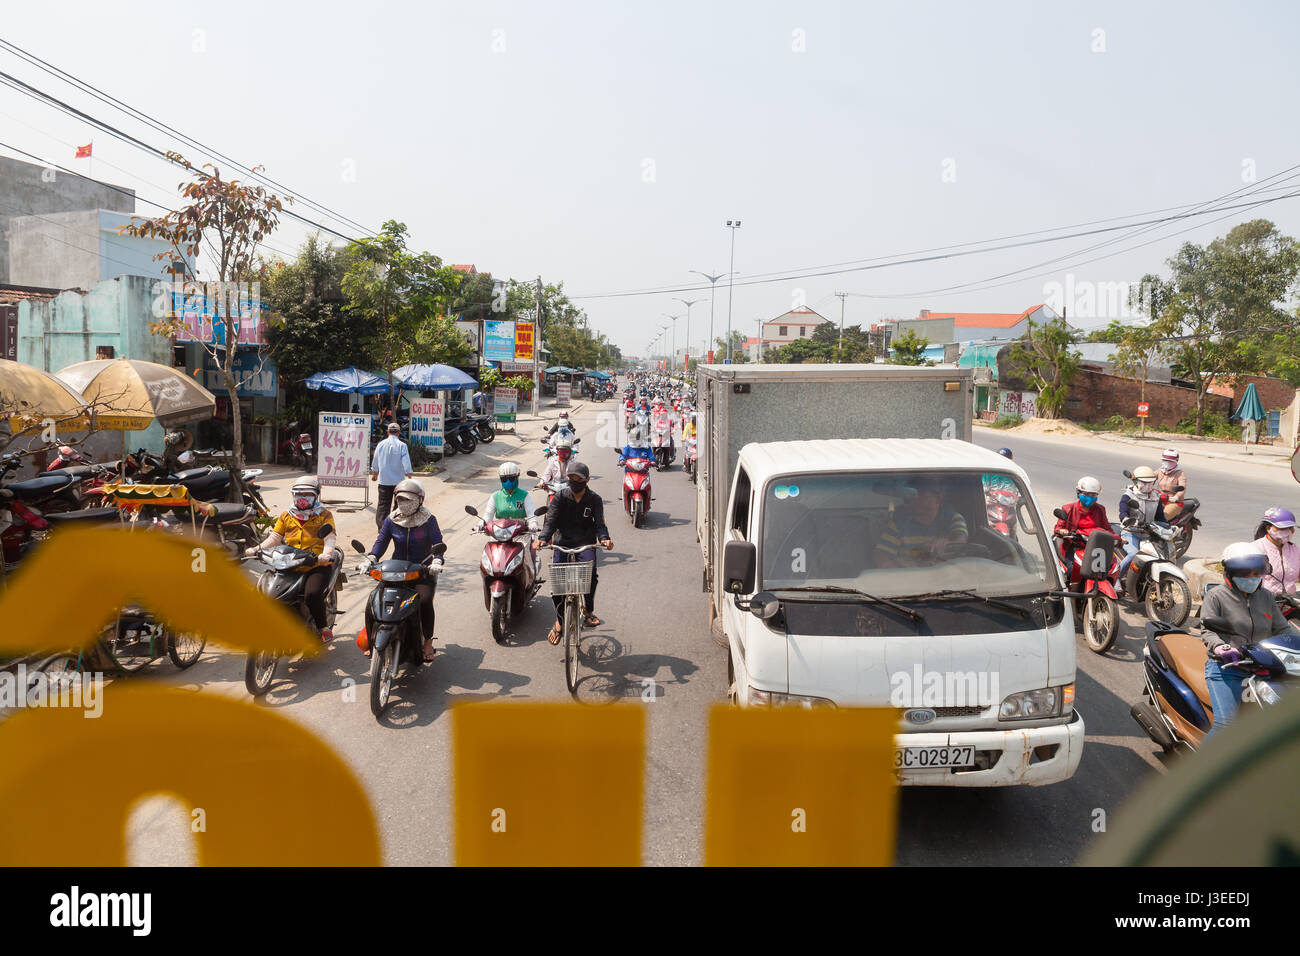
973, 595
833, 589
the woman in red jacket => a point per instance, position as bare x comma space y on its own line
1083, 515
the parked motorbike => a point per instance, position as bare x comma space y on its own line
296, 447
691, 460
284, 581
1176, 709
508, 568
661, 441
205, 483
485, 428
393, 633
1154, 580
459, 437
636, 489
20, 528
1092, 570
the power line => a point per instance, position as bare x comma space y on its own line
162, 127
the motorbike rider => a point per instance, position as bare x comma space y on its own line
638, 444
1232, 616
688, 427
577, 517
557, 469
308, 525
1083, 515
561, 423
1168, 477
413, 530
1139, 505
1273, 539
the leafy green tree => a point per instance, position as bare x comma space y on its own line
1223, 302
909, 349
738, 354
1045, 357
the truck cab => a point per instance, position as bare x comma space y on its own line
872, 573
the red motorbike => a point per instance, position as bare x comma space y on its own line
636, 489
297, 448
691, 460
1001, 505
1098, 612
508, 569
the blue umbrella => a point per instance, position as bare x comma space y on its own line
1251, 408
348, 380
430, 377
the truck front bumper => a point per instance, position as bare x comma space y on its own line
1024, 756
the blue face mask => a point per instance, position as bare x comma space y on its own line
509, 484
1087, 500
1247, 585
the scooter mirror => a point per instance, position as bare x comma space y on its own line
471, 510
531, 474
1180, 488
439, 549
358, 547
539, 512
1060, 513
1128, 474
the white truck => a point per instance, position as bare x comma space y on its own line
851, 561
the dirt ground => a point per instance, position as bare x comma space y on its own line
1045, 426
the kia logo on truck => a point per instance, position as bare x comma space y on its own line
922, 715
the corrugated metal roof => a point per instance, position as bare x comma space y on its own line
766, 460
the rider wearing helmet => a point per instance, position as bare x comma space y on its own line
1084, 514
688, 426
1139, 505
511, 501
413, 530
1236, 614
1273, 539
1006, 453
308, 525
1169, 476
562, 423
638, 443
557, 469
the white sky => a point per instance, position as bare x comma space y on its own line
518, 136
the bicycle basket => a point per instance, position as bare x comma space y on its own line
573, 577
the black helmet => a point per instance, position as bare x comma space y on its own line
1006, 453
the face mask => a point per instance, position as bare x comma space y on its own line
1280, 535
509, 484
1168, 465
1146, 488
577, 486
564, 454
304, 502
1087, 500
1247, 585
408, 505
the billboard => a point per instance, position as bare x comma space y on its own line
344, 456
499, 341
523, 342
505, 403
426, 423
562, 393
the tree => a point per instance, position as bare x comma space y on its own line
909, 349
1222, 301
739, 356
1139, 346
315, 331
400, 294
1045, 357
230, 219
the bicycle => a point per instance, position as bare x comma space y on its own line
572, 581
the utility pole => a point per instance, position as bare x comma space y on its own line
731, 283
537, 345
841, 295
688, 303
759, 323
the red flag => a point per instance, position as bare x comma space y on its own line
83, 152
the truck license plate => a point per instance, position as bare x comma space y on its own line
920, 758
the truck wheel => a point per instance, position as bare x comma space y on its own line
715, 628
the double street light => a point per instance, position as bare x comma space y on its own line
713, 286
688, 303
733, 225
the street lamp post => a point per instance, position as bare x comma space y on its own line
713, 288
688, 303
733, 225
672, 360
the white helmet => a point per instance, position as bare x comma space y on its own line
1088, 485
305, 492
306, 483
564, 416
508, 469
564, 441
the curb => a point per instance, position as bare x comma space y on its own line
1248, 458
1199, 575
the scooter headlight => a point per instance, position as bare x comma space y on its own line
502, 534
514, 562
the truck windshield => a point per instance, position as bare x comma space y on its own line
900, 533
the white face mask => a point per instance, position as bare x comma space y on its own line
408, 505
1281, 535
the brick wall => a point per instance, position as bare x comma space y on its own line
1096, 396
1273, 392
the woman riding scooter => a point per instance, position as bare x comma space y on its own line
1139, 505
1083, 516
308, 525
1239, 613
1273, 538
413, 530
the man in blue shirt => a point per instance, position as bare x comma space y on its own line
390, 464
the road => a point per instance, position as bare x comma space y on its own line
656, 645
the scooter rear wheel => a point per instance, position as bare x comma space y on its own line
1169, 600
467, 442
1100, 622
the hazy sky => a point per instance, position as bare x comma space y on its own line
604, 144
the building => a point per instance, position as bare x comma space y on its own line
28, 189
796, 324
75, 250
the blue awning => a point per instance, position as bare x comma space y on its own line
348, 380
431, 377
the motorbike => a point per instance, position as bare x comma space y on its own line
548, 443
1000, 504
1185, 523
1176, 708
1094, 564
508, 568
284, 581
392, 632
205, 483
485, 428
661, 441
690, 460
20, 528
636, 489
1154, 580
459, 437
297, 447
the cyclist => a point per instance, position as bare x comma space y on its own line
576, 517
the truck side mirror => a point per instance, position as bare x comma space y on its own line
738, 561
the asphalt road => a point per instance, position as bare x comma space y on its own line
655, 647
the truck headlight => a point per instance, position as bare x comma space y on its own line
1029, 704
772, 698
